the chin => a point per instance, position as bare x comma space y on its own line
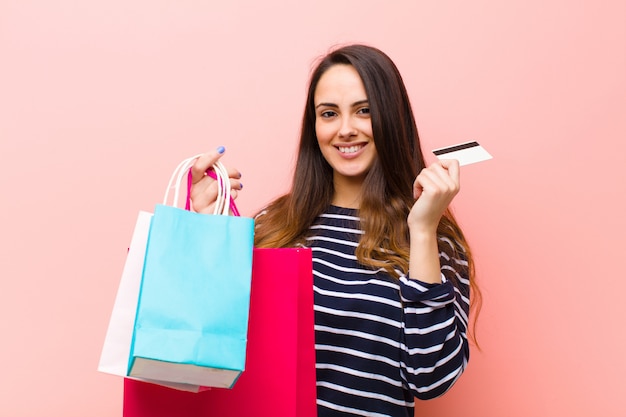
352, 174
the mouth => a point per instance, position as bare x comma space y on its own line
346, 150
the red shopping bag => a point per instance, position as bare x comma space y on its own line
279, 379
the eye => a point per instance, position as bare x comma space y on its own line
363, 110
328, 114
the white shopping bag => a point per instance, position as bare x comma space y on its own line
118, 340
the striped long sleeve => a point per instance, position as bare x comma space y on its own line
435, 346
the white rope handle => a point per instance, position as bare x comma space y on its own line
222, 205
223, 184
176, 179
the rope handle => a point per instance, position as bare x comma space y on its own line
211, 173
217, 172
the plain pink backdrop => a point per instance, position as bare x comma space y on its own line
99, 100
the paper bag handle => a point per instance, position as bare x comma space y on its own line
211, 173
218, 172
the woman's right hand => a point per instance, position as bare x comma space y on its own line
204, 188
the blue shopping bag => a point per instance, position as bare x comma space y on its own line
192, 314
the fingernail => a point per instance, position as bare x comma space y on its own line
221, 149
240, 185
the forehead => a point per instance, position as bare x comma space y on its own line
339, 81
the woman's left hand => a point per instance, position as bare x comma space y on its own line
434, 189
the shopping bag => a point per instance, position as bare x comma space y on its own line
119, 336
279, 379
118, 341
192, 314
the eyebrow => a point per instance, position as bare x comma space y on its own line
356, 103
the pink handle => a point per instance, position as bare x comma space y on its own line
211, 174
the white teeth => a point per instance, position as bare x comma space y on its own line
349, 149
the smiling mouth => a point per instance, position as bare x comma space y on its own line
350, 149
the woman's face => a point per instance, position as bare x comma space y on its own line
342, 123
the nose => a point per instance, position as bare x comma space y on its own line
346, 130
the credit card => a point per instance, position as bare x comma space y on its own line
466, 153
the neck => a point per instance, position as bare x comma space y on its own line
347, 192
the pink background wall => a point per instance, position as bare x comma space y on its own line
99, 100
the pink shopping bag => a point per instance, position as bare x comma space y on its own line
279, 378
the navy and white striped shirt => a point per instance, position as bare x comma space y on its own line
381, 341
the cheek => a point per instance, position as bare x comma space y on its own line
323, 132
366, 127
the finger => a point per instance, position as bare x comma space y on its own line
206, 190
204, 186
422, 184
235, 184
446, 176
234, 173
204, 196
418, 189
453, 167
437, 178
204, 162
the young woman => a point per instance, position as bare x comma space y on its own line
392, 270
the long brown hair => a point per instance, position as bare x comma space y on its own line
387, 193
